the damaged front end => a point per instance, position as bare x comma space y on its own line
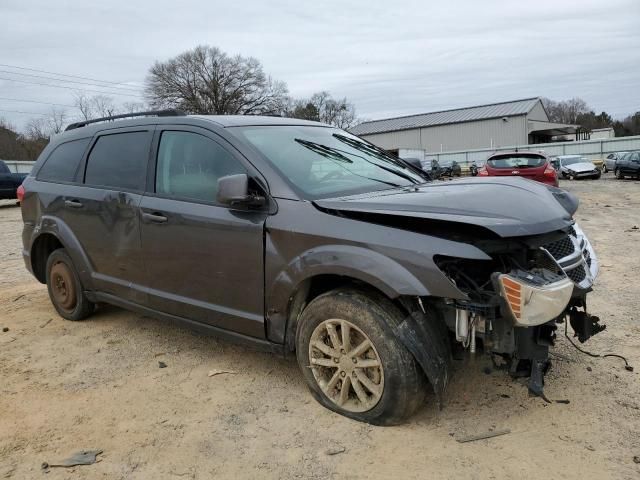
515, 301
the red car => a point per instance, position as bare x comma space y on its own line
531, 165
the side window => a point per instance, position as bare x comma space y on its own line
62, 163
189, 166
119, 161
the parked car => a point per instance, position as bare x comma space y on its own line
530, 165
609, 163
576, 166
9, 182
628, 166
296, 236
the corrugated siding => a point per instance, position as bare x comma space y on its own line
458, 115
459, 136
400, 139
538, 113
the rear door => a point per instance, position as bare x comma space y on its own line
204, 261
103, 211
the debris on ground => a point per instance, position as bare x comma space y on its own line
213, 373
482, 436
335, 450
19, 297
83, 457
5, 329
161, 364
46, 323
636, 459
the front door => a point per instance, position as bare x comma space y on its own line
204, 261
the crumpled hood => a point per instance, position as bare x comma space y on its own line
581, 167
508, 206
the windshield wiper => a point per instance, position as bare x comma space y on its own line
335, 154
382, 155
323, 150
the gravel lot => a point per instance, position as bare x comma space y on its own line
68, 386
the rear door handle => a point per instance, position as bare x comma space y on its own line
154, 217
73, 203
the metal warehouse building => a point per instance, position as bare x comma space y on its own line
515, 123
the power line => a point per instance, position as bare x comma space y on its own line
70, 81
59, 74
25, 113
70, 88
37, 101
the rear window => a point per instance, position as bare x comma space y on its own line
119, 161
516, 161
62, 163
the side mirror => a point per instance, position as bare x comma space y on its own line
233, 190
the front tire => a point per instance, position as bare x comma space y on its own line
618, 174
604, 168
352, 363
65, 290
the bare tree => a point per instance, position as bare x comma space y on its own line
103, 106
84, 103
208, 81
43, 128
322, 107
566, 111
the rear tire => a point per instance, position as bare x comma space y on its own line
65, 290
332, 348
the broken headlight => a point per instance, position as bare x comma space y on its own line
534, 298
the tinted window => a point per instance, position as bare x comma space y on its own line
189, 166
62, 163
119, 161
516, 161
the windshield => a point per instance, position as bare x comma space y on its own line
516, 161
326, 162
572, 160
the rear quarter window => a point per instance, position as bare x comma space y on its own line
119, 161
62, 164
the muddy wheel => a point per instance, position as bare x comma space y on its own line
604, 168
618, 174
65, 289
351, 362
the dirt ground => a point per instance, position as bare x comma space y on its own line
68, 386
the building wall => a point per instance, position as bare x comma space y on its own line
458, 136
538, 113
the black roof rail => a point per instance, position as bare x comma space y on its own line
152, 113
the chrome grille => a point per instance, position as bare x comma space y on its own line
560, 248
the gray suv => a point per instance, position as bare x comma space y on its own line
299, 237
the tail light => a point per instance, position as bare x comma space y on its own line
483, 172
20, 193
550, 171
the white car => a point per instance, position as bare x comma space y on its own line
576, 166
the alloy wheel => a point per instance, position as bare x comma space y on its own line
346, 365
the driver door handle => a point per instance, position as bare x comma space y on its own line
73, 203
154, 217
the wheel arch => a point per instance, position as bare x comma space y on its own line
51, 235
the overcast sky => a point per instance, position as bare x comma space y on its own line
388, 57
